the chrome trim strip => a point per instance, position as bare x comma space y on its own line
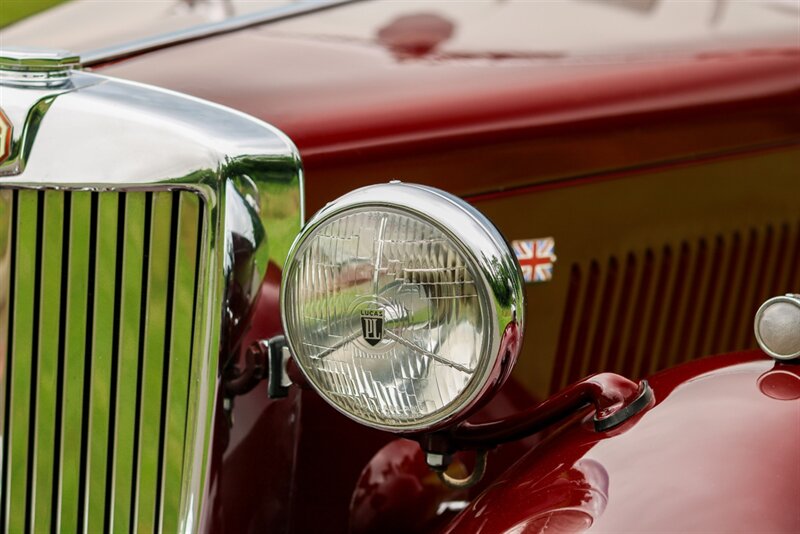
49, 323
98, 56
21, 351
128, 371
74, 359
6, 240
153, 361
184, 281
100, 360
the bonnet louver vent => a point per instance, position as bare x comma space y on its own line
649, 310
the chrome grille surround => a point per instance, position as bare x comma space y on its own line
133, 234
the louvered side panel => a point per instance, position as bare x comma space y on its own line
674, 304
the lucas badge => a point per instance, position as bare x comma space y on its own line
372, 325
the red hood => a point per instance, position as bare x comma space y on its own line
355, 85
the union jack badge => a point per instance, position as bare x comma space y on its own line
536, 257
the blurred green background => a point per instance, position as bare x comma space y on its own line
14, 10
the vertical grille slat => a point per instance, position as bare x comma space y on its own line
87, 367
115, 360
98, 297
153, 364
183, 298
43, 432
8, 209
17, 426
674, 305
168, 367
101, 356
74, 361
127, 364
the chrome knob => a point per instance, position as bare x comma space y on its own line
36, 68
777, 327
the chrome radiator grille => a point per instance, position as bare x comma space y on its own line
98, 301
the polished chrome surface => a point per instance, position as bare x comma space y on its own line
30, 67
497, 279
121, 273
140, 46
25, 108
777, 327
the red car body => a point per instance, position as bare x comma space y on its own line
577, 133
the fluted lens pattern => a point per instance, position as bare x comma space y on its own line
385, 316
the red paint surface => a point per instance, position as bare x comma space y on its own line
397, 492
251, 471
716, 454
489, 120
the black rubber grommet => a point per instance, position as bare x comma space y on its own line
623, 414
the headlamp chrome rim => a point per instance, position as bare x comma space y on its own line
492, 261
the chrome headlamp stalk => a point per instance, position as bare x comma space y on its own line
147, 217
403, 306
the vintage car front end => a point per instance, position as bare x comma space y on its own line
181, 351
133, 242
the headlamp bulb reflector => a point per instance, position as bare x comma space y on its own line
388, 315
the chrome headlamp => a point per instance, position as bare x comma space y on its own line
403, 306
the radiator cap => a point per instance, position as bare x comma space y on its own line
777, 327
36, 67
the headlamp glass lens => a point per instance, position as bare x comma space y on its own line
385, 315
